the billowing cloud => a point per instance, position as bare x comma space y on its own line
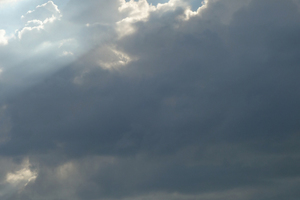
151, 100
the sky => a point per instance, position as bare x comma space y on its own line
149, 100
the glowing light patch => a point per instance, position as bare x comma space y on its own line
112, 58
22, 177
65, 170
3, 39
67, 53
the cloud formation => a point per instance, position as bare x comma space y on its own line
3, 39
151, 100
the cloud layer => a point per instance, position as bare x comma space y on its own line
151, 100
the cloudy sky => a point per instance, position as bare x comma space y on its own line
149, 100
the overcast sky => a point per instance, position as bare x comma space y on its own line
149, 100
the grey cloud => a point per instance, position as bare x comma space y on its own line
92, 11
206, 109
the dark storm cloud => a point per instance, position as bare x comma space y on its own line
204, 108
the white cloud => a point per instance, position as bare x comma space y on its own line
135, 11
140, 11
43, 12
3, 38
49, 6
37, 19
